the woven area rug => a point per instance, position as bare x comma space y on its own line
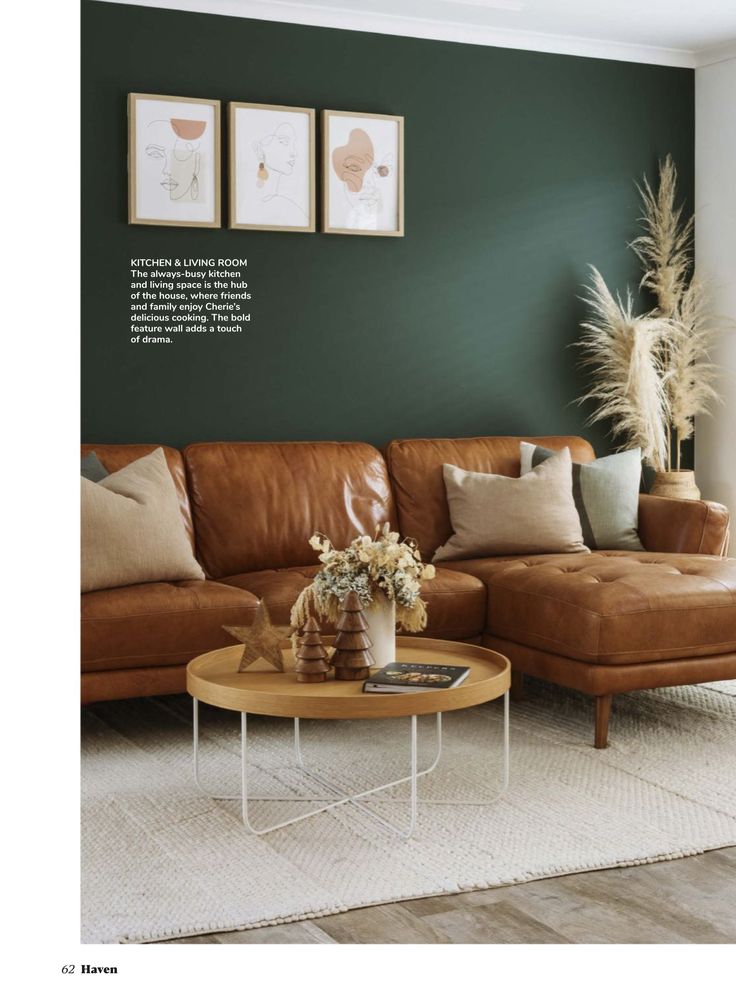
159, 860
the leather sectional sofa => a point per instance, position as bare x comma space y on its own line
602, 623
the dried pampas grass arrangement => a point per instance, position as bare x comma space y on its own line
689, 372
665, 247
623, 353
652, 374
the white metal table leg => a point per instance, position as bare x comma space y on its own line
342, 797
348, 799
506, 767
412, 778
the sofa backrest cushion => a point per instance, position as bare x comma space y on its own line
115, 456
415, 466
256, 505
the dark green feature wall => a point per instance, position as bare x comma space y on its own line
519, 172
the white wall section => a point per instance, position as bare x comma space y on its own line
715, 250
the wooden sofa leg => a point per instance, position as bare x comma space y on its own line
602, 715
517, 685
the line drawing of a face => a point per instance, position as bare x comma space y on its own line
176, 144
354, 165
278, 150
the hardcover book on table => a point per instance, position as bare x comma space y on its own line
402, 676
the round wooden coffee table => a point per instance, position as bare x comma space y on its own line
214, 678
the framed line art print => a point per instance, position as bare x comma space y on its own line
272, 168
173, 161
362, 173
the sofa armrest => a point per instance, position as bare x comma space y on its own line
669, 525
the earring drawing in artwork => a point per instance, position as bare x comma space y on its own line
278, 154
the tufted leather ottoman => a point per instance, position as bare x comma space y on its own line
612, 621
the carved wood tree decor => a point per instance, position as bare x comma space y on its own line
312, 660
352, 658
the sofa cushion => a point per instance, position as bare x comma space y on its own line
256, 505
92, 468
415, 466
155, 624
132, 530
496, 515
606, 493
456, 602
612, 607
115, 456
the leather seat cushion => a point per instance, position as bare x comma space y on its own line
456, 602
160, 623
612, 607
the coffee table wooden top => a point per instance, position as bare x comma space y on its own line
214, 678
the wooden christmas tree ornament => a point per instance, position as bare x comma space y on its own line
352, 658
312, 660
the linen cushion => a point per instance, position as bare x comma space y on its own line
606, 494
496, 515
132, 530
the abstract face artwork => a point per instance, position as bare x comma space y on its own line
278, 150
355, 166
272, 167
363, 174
176, 145
174, 165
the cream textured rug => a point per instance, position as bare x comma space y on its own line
159, 860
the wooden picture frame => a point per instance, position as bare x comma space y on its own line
173, 161
272, 160
361, 151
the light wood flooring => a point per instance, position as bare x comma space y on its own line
690, 900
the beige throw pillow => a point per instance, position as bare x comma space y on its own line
132, 530
495, 515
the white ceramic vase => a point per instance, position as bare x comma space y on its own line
381, 619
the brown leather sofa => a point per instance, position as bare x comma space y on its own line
603, 623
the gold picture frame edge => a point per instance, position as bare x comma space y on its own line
216, 104
328, 229
232, 107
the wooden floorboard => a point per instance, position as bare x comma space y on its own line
686, 901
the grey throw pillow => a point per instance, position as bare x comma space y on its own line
606, 494
93, 469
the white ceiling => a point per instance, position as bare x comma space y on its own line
687, 33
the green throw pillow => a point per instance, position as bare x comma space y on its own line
606, 494
93, 468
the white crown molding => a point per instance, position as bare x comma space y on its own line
712, 56
346, 18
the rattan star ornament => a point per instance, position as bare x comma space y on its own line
261, 639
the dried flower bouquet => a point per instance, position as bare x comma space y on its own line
374, 567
